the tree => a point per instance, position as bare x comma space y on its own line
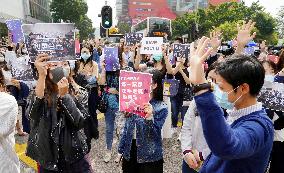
123, 27
3, 30
280, 22
227, 15
73, 11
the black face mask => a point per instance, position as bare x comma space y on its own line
10, 48
57, 74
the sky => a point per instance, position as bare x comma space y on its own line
272, 6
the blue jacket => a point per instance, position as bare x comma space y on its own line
242, 147
279, 79
148, 135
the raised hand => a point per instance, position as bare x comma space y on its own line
215, 39
197, 57
244, 33
63, 87
42, 65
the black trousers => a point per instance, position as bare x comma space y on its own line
132, 166
276, 164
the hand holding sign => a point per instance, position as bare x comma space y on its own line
133, 38
152, 45
148, 109
134, 92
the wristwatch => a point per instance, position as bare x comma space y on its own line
204, 86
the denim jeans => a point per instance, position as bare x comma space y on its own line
186, 168
110, 120
176, 106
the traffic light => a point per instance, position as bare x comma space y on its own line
106, 17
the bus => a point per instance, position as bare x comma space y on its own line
154, 27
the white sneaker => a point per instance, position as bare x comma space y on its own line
174, 130
118, 158
179, 136
107, 156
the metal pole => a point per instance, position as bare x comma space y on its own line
107, 30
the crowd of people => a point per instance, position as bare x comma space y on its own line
224, 129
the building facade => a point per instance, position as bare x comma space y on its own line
29, 11
140, 9
122, 14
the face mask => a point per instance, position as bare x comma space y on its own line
57, 74
85, 56
24, 51
222, 98
157, 57
269, 78
72, 65
2, 59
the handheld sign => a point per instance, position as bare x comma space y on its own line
151, 45
16, 31
133, 38
55, 39
134, 91
111, 58
272, 96
21, 69
181, 50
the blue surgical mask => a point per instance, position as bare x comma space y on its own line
157, 57
85, 56
269, 78
222, 98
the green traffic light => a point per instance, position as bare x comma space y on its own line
107, 22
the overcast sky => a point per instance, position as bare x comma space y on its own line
272, 6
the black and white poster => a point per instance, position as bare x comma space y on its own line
21, 69
55, 39
181, 50
272, 96
132, 39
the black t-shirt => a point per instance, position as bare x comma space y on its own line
182, 83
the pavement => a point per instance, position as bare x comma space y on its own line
172, 154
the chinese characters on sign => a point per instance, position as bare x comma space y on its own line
134, 91
152, 45
132, 39
111, 58
181, 50
55, 39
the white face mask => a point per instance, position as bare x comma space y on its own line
2, 59
269, 78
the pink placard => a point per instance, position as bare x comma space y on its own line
134, 91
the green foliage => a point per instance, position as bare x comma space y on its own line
280, 22
3, 30
123, 27
225, 17
73, 11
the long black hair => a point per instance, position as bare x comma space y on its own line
157, 78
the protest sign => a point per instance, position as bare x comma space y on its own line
132, 39
55, 39
134, 91
151, 45
21, 69
111, 58
181, 50
15, 29
272, 96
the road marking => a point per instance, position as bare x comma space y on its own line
21, 152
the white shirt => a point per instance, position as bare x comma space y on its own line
8, 117
234, 114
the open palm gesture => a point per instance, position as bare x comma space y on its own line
197, 58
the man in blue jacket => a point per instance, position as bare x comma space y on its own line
241, 144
